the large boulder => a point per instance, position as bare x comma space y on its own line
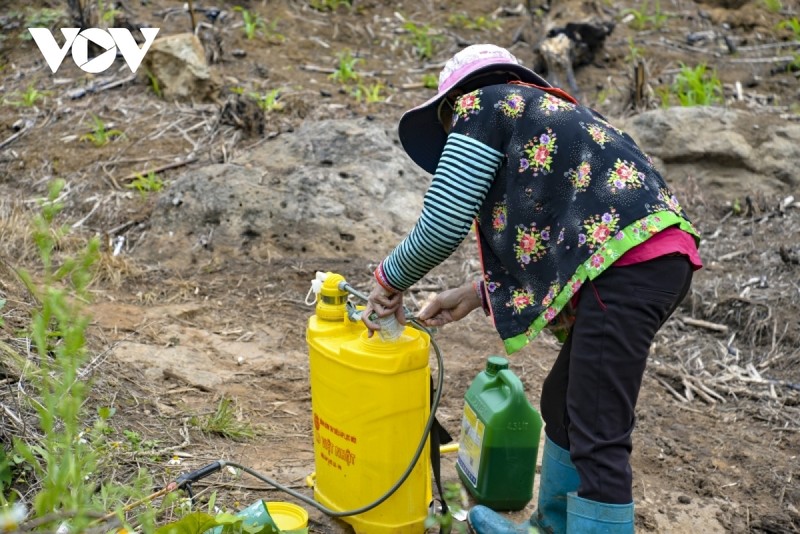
329, 189
728, 152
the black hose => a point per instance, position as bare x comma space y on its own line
333, 513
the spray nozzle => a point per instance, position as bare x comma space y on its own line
316, 287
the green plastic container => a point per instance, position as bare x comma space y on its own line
499, 440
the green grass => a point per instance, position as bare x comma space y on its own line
65, 462
154, 84
100, 135
423, 38
478, 23
696, 86
430, 81
329, 5
224, 422
269, 101
643, 19
346, 70
634, 52
146, 184
793, 25
252, 22
107, 11
40, 18
29, 98
273, 35
370, 94
773, 6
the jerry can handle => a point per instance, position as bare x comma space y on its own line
514, 384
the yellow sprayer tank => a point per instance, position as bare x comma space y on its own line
370, 401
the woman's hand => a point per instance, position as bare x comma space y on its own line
450, 306
382, 303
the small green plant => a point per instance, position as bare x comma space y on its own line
40, 18
273, 35
423, 39
100, 135
200, 522
634, 52
29, 98
268, 102
479, 23
329, 5
773, 6
224, 422
697, 86
642, 20
455, 500
430, 81
107, 12
145, 185
345, 71
793, 25
252, 22
603, 96
136, 443
155, 86
65, 463
369, 93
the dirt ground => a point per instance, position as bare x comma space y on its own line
170, 342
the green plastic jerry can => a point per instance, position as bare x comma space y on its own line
499, 440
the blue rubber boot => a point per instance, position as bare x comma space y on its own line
591, 517
558, 478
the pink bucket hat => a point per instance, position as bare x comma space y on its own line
421, 134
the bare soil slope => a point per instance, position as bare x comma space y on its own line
716, 448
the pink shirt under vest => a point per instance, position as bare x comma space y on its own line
671, 240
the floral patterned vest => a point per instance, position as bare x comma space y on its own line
572, 195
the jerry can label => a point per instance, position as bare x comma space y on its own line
470, 444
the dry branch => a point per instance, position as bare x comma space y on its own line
80, 92
160, 168
27, 126
716, 327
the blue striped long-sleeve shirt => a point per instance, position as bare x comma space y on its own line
464, 175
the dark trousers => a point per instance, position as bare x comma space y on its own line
589, 397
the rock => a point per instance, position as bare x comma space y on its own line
199, 358
733, 152
345, 189
178, 64
332, 188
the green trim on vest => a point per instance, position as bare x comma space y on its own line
631, 236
